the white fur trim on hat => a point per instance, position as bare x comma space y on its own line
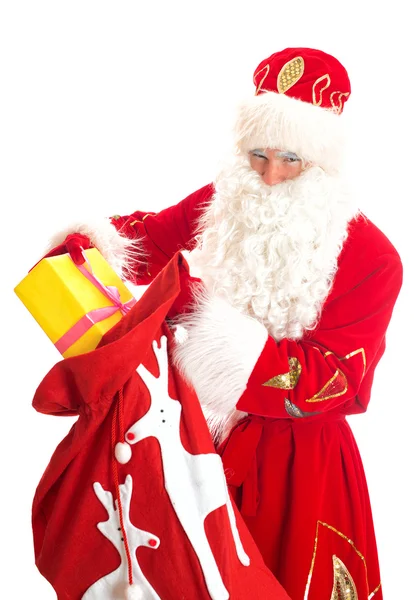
216, 359
272, 120
119, 251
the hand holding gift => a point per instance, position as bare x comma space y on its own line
74, 244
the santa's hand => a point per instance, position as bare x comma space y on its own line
185, 300
123, 254
74, 244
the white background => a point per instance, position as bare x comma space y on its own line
109, 107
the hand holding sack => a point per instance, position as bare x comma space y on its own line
189, 286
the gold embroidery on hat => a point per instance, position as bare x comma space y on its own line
335, 387
339, 105
287, 381
321, 90
259, 87
315, 547
290, 74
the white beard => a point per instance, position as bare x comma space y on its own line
272, 252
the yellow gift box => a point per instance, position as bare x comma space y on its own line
65, 300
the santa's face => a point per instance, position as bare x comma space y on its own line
271, 250
275, 166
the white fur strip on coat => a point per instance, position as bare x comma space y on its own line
217, 355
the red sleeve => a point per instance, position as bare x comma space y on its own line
165, 233
334, 365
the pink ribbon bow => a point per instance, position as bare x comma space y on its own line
96, 315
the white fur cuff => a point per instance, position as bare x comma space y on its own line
120, 251
217, 357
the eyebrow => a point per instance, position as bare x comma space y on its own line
288, 155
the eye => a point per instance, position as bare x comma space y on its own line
289, 157
258, 154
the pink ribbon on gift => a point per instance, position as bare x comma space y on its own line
96, 315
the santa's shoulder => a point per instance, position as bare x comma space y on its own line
366, 242
366, 251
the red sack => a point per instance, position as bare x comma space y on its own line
157, 521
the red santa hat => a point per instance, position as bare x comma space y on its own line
300, 94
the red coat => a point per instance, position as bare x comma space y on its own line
293, 464
177, 535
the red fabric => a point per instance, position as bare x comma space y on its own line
362, 314
185, 299
165, 233
305, 474
310, 498
324, 81
71, 552
299, 481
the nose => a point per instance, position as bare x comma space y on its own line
273, 172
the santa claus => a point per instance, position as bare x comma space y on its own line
282, 339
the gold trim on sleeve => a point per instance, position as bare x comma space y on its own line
354, 353
151, 214
339, 379
350, 355
287, 381
290, 74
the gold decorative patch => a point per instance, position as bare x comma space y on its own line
335, 387
344, 586
290, 74
287, 381
325, 78
265, 70
341, 571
